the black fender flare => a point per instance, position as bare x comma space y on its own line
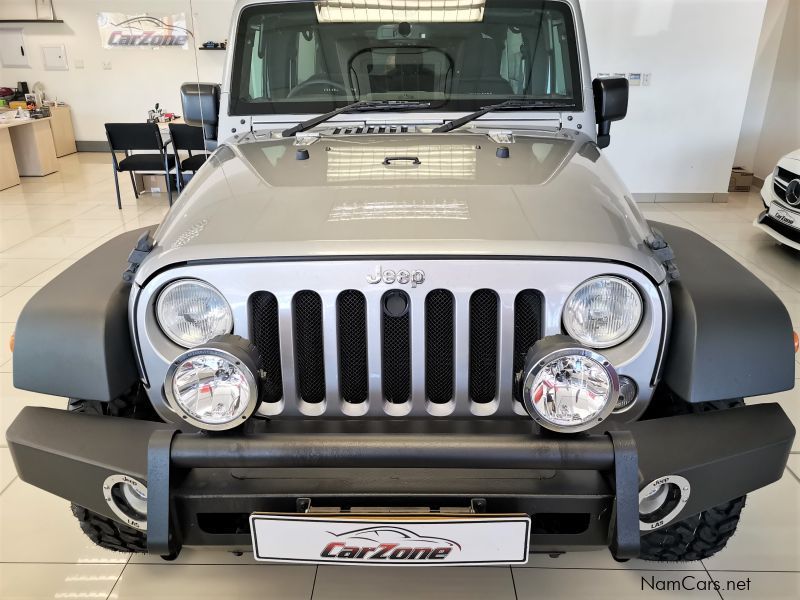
73, 337
731, 335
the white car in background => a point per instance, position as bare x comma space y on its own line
781, 195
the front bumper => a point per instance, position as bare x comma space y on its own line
202, 488
788, 235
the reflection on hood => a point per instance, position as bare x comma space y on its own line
395, 159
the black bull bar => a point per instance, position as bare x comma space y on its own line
722, 454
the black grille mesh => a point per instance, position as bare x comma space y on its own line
483, 324
439, 348
396, 354
265, 337
308, 350
396, 344
527, 327
351, 320
787, 177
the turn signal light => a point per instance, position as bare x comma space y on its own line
796, 343
11, 343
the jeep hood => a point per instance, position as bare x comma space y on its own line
448, 195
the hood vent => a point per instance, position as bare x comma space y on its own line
374, 129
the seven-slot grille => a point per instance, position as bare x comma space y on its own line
391, 317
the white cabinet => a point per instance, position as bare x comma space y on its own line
13, 53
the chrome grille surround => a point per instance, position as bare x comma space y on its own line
781, 180
637, 358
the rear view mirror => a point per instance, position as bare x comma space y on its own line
610, 104
200, 103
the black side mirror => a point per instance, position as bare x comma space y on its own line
610, 104
200, 103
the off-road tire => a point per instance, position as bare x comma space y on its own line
696, 538
103, 531
703, 535
110, 534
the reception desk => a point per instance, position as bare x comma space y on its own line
33, 152
9, 176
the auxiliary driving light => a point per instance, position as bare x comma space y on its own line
566, 387
215, 386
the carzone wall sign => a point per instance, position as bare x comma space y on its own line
142, 31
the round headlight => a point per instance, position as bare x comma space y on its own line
603, 312
567, 388
191, 312
214, 387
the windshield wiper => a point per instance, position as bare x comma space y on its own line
361, 106
507, 105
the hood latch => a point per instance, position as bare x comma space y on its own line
143, 247
663, 253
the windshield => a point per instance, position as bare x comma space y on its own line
313, 57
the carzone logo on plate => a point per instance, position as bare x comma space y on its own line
784, 217
142, 31
387, 543
398, 540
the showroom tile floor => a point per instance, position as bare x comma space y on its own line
46, 224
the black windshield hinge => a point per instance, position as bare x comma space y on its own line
663, 253
143, 247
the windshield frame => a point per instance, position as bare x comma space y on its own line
237, 107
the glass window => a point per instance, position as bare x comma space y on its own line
307, 57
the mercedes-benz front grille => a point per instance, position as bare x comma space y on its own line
782, 179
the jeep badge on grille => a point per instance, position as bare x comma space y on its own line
403, 277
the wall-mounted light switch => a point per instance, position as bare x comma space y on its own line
635, 79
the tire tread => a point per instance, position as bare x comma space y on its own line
104, 531
700, 536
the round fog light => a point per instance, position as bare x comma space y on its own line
567, 388
135, 497
214, 387
654, 499
127, 498
662, 500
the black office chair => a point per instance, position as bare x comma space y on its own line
128, 137
188, 138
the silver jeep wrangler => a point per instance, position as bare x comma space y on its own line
406, 313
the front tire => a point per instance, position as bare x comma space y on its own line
695, 538
104, 531
700, 536
108, 533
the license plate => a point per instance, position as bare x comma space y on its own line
391, 540
784, 215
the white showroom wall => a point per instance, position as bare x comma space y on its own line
682, 131
138, 78
770, 45
680, 137
775, 93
